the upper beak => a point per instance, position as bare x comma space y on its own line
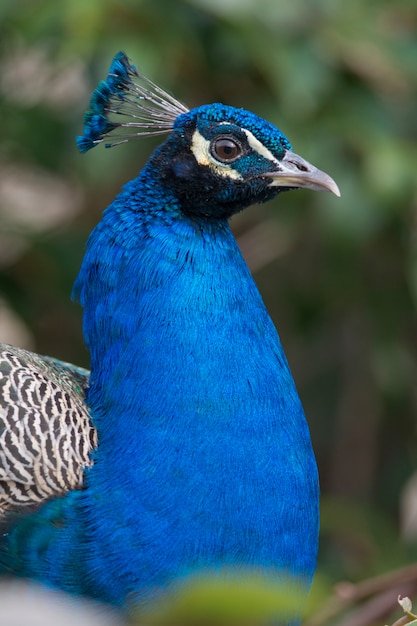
297, 172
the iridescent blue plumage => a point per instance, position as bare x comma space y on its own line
204, 460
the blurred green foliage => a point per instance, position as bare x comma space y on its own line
242, 599
338, 276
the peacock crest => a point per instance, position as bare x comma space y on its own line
129, 103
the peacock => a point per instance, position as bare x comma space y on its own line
185, 448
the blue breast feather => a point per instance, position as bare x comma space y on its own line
204, 456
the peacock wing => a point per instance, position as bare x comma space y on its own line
46, 435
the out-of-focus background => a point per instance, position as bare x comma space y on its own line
339, 276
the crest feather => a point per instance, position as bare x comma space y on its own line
127, 101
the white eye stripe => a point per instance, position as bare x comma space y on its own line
259, 147
200, 147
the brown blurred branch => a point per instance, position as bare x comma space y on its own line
378, 595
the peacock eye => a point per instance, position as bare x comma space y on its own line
225, 149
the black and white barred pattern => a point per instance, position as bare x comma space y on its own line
46, 435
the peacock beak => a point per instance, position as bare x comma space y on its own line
297, 172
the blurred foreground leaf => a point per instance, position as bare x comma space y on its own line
227, 600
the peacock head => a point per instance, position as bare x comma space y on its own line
217, 159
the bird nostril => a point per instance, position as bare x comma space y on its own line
300, 167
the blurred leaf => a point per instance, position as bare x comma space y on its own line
231, 599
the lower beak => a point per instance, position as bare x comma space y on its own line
297, 172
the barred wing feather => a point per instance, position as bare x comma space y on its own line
46, 435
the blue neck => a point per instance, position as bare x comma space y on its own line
205, 457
